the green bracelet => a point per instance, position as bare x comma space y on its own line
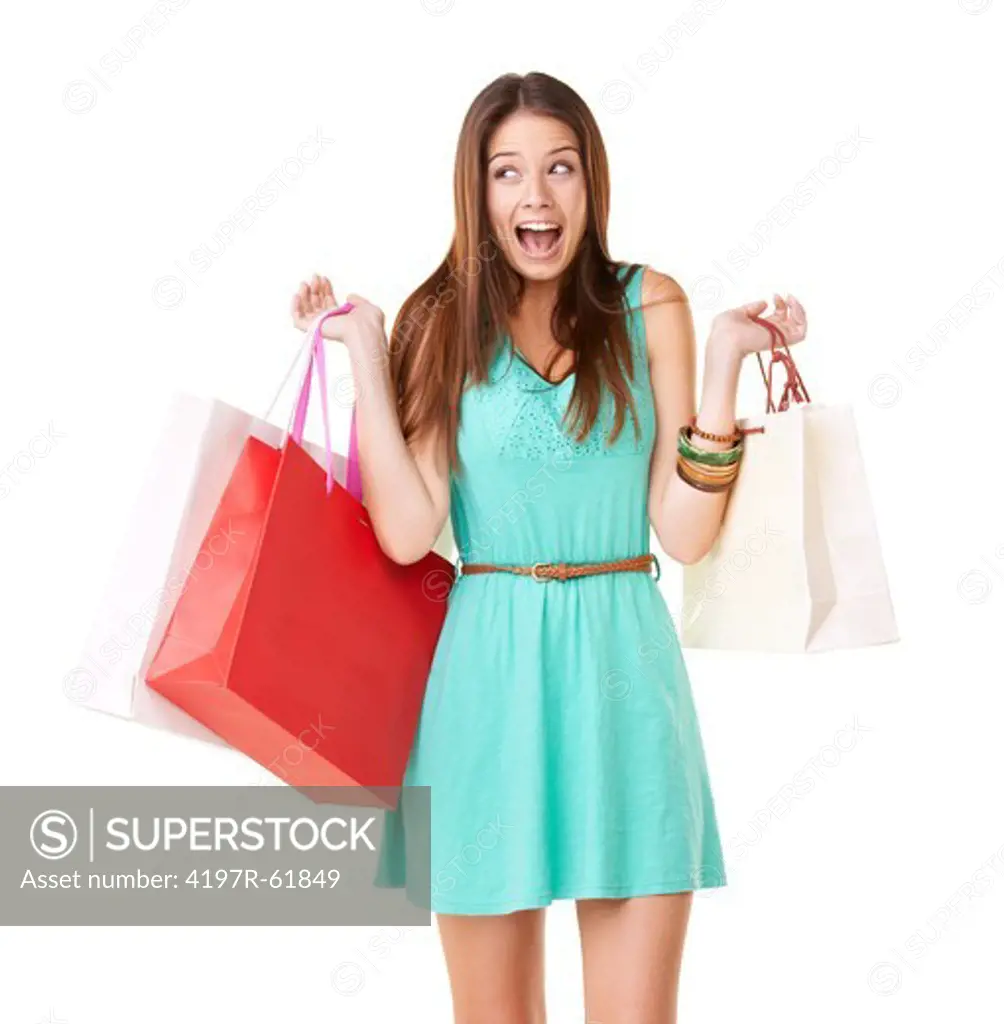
702, 455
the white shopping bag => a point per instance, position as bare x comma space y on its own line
798, 563
198, 449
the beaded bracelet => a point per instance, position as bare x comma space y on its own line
736, 435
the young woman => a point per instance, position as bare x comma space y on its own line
541, 395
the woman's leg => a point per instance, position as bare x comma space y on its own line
496, 966
631, 954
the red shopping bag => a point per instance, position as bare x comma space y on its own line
300, 642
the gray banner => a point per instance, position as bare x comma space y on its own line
221, 855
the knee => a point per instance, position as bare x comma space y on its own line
501, 1012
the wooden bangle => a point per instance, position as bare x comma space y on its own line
697, 485
721, 469
736, 435
709, 473
697, 473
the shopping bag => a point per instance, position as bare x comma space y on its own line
198, 448
798, 564
191, 463
304, 645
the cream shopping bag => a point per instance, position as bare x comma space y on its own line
798, 564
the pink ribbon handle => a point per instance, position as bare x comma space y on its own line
353, 479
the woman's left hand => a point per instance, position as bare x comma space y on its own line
364, 324
737, 331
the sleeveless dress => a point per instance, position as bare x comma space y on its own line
558, 733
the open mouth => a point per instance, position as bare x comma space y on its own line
539, 239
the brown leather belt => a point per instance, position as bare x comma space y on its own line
544, 571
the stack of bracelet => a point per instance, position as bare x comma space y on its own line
706, 470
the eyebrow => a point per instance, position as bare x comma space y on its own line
560, 149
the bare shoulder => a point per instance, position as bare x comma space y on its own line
669, 326
658, 288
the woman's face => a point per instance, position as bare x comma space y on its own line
536, 193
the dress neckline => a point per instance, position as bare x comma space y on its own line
514, 349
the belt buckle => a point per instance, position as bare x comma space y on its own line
561, 572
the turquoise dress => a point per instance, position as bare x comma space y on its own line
558, 732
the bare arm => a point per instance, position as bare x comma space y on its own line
405, 486
685, 519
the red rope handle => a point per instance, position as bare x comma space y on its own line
794, 387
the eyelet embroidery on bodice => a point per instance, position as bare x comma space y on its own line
522, 412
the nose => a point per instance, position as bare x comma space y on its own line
537, 196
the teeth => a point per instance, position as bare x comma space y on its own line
539, 225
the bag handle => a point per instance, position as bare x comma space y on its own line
794, 387
314, 346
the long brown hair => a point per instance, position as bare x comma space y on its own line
444, 334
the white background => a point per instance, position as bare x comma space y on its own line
876, 896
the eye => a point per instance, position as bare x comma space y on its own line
501, 172
568, 168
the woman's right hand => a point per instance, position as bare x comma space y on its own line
364, 323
